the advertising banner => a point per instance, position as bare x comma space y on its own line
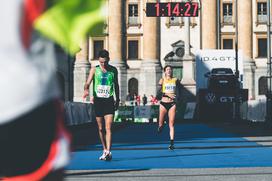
125, 112
142, 112
206, 60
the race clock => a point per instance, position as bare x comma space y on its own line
172, 9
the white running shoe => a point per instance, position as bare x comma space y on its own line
103, 156
108, 156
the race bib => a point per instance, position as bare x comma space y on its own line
170, 88
103, 91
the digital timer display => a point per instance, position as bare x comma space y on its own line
172, 9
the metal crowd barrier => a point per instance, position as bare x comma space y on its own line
78, 113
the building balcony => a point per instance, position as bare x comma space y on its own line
227, 19
133, 21
261, 19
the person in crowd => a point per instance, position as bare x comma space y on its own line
144, 100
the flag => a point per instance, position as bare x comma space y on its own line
68, 22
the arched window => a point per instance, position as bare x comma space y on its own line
133, 86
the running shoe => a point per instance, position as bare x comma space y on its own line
171, 147
108, 156
103, 156
160, 129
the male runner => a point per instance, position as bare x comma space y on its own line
105, 84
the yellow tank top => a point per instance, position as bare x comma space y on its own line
169, 86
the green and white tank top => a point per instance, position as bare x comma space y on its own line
103, 83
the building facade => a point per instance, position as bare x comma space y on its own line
139, 45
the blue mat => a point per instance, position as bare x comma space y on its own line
198, 146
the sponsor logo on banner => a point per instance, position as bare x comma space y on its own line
210, 98
142, 112
224, 99
206, 60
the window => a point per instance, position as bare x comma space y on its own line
263, 86
227, 43
262, 12
133, 49
133, 14
133, 86
97, 46
262, 47
262, 8
227, 12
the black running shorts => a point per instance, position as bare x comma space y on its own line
103, 106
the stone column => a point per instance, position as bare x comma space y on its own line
116, 42
245, 27
81, 71
151, 71
116, 31
188, 81
245, 43
208, 24
187, 51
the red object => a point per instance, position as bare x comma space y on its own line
138, 100
31, 11
153, 100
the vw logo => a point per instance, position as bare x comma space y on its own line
210, 98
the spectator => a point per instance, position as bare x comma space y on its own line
138, 100
129, 97
135, 99
144, 100
33, 138
153, 100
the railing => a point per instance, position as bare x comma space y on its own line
77, 113
133, 20
262, 18
227, 19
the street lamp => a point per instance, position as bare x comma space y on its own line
218, 24
269, 83
237, 95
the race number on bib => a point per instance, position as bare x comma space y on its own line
170, 88
103, 91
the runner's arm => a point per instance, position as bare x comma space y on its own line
116, 86
178, 91
88, 82
159, 92
90, 79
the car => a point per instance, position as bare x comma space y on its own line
221, 79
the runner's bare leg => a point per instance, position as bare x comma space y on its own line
171, 115
99, 121
108, 123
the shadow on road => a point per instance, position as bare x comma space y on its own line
131, 134
90, 172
